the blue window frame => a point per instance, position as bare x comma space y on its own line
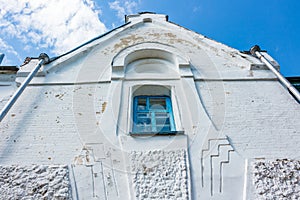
153, 114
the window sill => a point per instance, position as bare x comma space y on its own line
168, 133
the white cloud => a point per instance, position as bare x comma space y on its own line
124, 7
4, 47
8, 50
55, 24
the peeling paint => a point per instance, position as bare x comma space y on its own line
126, 41
104, 104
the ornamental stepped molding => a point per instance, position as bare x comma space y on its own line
214, 158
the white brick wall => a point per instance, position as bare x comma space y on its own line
42, 125
260, 117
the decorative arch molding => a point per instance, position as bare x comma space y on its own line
150, 60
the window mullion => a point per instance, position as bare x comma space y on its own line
135, 112
147, 104
153, 121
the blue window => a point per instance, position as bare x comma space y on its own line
153, 114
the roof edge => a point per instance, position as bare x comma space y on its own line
86, 43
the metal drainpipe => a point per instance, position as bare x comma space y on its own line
43, 59
255, 51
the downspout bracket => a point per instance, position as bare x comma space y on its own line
45, 58
254, 49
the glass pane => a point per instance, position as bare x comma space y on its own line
163, 128
157, 104
162, 118
142, 104
143, 128
143, 119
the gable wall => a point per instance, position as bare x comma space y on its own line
76, 111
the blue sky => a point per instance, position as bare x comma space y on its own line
29, 27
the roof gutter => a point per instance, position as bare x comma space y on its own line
43, 59
88, 42
255, 51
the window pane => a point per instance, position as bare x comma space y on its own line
142, 104
143, 128
162, 118
162, 122
163, 128
157, 104
143, 118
